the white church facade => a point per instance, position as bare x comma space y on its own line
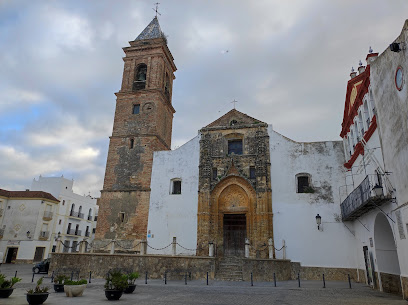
240, 189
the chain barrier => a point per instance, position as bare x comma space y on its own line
186, 248
158, 248
280, 248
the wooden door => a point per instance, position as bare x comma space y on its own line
39, 254
234, 234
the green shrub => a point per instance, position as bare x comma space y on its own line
116, 280
4, 284
60, 279
37, 288
132, 277
80, 282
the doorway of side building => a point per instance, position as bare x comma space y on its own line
11, 255
234, 234
39, 254
386, 254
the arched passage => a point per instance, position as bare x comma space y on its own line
386, 254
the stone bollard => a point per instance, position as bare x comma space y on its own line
112, 250
174, 246
283, 249
270, 244
246, 248
143, 247
211, 249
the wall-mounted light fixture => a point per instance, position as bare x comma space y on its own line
28, 234
318, 221
378, 190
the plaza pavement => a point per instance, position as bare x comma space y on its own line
217, 292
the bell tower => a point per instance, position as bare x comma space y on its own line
142, 124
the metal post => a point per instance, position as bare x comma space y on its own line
165, 278
210, 249
174, 246
15, 274
146, 278
90, 276
252, 280
32, 279
207, 277
349, 280
270, 245
52, 277
246, 248
72, 275
185, 279
274, 279
324, 282
299, 280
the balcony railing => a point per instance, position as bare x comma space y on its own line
74, 232
76, 214
87, 234
44, 235
47, 215
372, 192
96, 218
89, 217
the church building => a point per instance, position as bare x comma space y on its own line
239, 189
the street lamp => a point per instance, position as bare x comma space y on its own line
318, 221
28, 234
378, 190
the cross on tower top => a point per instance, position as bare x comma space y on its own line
234, 102
157, 9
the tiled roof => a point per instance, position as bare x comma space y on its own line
152, 31
27, 194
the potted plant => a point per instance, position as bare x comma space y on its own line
74, 288
59, 282
6, 286
116, 283
38, 295
131, 278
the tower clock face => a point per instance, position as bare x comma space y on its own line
399, 78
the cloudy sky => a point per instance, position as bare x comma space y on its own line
287, 64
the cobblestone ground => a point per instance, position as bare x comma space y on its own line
217, 292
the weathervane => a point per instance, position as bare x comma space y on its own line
234, 101
157, 9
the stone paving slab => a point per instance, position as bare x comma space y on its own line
217, 292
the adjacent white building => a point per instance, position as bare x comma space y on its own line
76, 215
27, 222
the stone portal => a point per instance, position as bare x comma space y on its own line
234, 234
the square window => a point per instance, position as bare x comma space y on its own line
136, 109
252, 172
303, 183
93, 230
176, 189
235, 147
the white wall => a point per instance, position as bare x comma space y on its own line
294, 213
174, 215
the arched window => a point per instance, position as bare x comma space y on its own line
72, 210
360, 124
140, 77
175, 187
303, 183
77, 230
90, 214
366, 115
69, 228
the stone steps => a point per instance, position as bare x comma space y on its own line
229, 269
